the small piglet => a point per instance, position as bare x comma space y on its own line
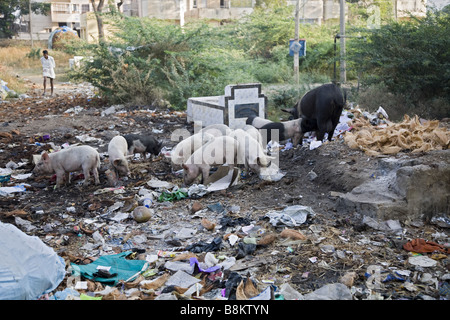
184, 149
69, 160
142, 144
250, 152
117, 151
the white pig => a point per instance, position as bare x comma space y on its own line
219, 151
184, 149
217, 129
250, 152
117, 151
69, 160
251, 130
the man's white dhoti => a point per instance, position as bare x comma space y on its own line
48, 67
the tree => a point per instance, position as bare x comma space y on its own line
9, 7
97, 11
411, 57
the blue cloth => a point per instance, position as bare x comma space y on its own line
121, 268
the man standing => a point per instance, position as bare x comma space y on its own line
48, 65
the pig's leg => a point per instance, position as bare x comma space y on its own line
205, 173
60, 178
95, 172
87, 176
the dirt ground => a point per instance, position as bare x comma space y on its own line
304, 264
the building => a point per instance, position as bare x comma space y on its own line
63, 13
76, 13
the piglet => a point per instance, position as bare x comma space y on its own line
250, 152
142, 144
184, 149
69, 160
219, 151
117, 151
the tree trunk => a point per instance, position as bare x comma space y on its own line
98, 10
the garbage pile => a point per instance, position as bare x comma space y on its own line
148, 238
376, 135
157, 241
60, 35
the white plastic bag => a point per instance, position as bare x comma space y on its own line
28, 267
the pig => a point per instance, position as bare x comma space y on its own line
117, 151
320, 110
217, 130
184, 149
285, 130
142, 144
250, 151
256, 121
251, 130
221, 150
69, 160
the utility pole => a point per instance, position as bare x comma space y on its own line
296, 52
182, 13
31, 34
343, 77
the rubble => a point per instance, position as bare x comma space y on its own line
290, 238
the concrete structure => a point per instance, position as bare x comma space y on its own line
232, 109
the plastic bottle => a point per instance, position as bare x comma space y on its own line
147, 202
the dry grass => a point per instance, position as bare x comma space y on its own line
16, 61
13, 82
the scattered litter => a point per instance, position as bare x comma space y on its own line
392, 138
5, 191
144, 237
335, 291
291, 216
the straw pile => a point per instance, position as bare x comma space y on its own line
390, 138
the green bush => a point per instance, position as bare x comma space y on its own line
410, 57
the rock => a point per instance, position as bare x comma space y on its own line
196, 206
293, 234
142, 214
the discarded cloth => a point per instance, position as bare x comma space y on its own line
201, 267
109, 269
423, 246
201, 246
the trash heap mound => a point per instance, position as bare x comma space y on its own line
388, 138
60, 35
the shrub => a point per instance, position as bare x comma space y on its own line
410, 57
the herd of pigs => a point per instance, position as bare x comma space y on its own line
318, 110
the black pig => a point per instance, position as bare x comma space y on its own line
142, 144
320, 110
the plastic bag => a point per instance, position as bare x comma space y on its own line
28, 267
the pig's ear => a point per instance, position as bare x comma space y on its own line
45, 156
291, 110
185, 166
